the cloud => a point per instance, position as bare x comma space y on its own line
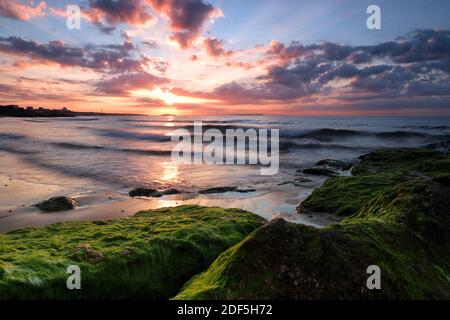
106, 14
16, 10
150, 43
418, 46
417, 65
186, 18
112, 58
124, 83
214, 48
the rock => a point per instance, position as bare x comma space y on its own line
224, 190
245, 190
87, 253
153, 193
149, 255
328, 167
320, 171
442, 146
143, 192
298, 182
444, 180
218, 190
170, 191
335, 164
404, 227
57, 204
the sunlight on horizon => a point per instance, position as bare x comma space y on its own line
168, 97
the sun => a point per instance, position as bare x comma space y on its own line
168, 97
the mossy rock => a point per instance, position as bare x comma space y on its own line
376, 173
57, 204
335, 164
320, 171
150, 255
405, 232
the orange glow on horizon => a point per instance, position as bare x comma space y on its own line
168, 97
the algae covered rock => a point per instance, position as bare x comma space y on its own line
321, 171
57, 204
336, 164
84, 252
406, 232
150, 255
377, 172
328, 167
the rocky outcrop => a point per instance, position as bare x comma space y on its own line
377, 172
328, 167
406, 233
57, 204
150, 255
396, 219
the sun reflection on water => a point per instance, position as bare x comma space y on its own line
170, 172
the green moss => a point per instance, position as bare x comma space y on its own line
397, 207
376, 173
282, 260
149, 255
344, 196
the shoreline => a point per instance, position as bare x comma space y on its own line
98, 205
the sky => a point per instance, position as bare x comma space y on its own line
198, 57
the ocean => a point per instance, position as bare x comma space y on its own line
100, 159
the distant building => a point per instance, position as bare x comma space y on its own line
11, 106
29, 108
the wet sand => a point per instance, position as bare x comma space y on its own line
18, 197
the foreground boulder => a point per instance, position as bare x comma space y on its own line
406, 232
150, 255
57, 204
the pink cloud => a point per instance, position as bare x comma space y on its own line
186, 18
16, 10
214, 47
